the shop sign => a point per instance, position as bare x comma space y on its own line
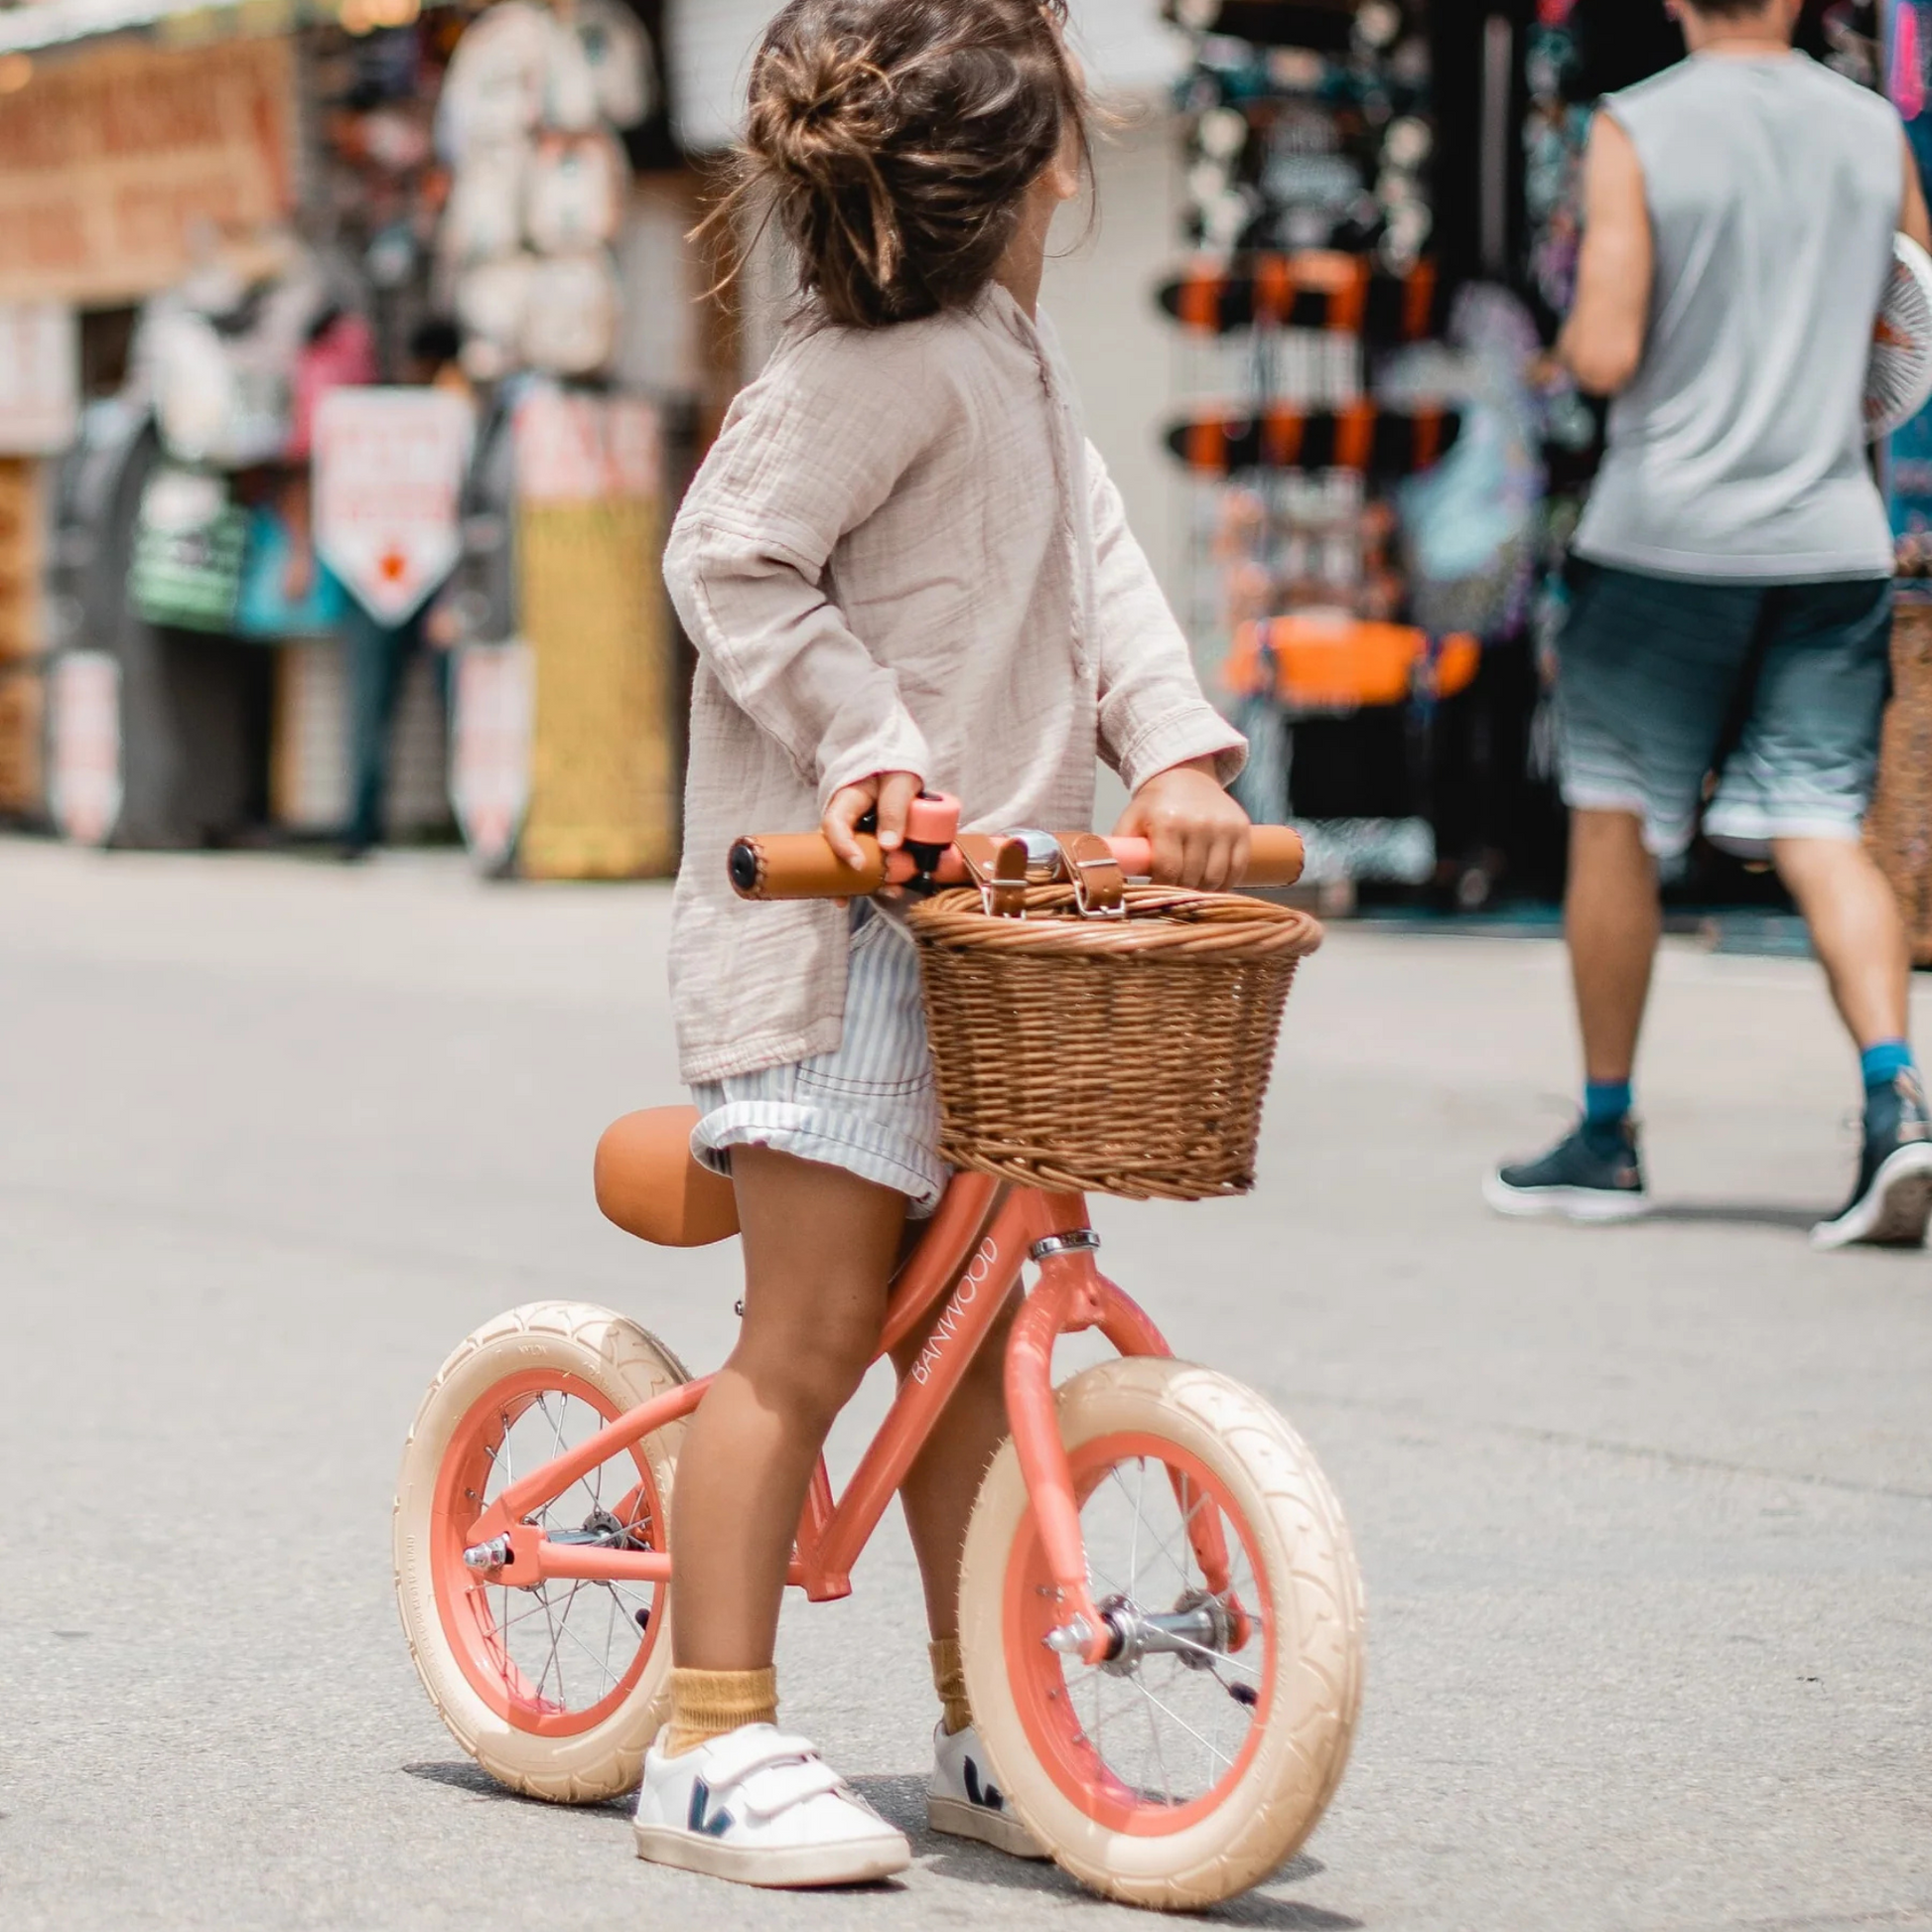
492, 733
84, 786
117, 167
39, 379
577, 449
389, 465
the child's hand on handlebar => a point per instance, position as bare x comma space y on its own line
889, 795
1200, 835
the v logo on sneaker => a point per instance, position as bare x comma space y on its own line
703, 1818
985, 1796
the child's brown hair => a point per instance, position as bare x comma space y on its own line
892, 141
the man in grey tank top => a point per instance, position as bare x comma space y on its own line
1731, 586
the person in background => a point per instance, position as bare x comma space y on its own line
1733, 572
378, 655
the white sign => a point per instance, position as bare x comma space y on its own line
492, 740
577, 449
389, 484
39, 379
84, 784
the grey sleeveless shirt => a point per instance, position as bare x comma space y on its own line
1737, 451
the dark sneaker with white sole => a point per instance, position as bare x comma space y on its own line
1892, 1205
1579, 1180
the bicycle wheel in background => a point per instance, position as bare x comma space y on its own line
1172, 1778
555, 1691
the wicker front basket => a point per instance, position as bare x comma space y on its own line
1112, 1056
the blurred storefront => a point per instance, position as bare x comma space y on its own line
1381, 229
1344, 231
212, 219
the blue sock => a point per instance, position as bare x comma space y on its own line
1883, 1063
1606, 1106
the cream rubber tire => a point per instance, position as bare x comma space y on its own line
1303, 1551
625, 1366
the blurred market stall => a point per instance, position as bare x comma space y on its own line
219, 622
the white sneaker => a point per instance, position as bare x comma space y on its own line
963, 1800
762, 1808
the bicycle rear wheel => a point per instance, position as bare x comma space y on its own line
557, 1690
1189, 1768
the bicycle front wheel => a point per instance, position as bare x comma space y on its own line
1189, 1767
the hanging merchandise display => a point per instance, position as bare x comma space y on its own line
1311, 149
188, 551
529, 125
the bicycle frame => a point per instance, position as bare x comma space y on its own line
976, 1247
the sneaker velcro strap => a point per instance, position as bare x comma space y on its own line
733, 1758
765, 1794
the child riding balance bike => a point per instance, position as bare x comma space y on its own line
905, 567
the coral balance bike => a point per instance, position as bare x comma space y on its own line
1160, 1615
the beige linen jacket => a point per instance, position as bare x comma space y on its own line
903, 554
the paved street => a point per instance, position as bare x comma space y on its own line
1645, 1514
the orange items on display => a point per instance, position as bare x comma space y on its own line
1359, 437
1325, 664
1315, 289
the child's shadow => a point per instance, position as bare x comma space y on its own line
901, 1800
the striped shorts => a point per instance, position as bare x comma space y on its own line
870, 1106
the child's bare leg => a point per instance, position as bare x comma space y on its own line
820, 1246
943, 1485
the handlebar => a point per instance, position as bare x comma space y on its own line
802, 865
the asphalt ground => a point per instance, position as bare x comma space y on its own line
1645, 1513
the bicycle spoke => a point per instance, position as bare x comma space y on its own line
1219, 1656
603, 1664
1213, 1750
1160, 1756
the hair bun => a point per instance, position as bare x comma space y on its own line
893, 140
822, 113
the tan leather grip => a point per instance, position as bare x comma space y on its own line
802, 865
1277, 856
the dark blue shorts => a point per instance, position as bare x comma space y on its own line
1662, 679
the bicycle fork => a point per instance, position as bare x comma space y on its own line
1072, 1297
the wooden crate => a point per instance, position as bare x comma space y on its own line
23, 785
1898, 831
603, 796
23, 775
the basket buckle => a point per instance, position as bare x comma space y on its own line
1099, 884
998, 867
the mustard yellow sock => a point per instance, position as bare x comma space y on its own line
706, 1704
949, 1680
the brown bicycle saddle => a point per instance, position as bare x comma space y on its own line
651, 1186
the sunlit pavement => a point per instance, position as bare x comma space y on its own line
1646, 1514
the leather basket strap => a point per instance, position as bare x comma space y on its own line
999, 869
1099, 884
